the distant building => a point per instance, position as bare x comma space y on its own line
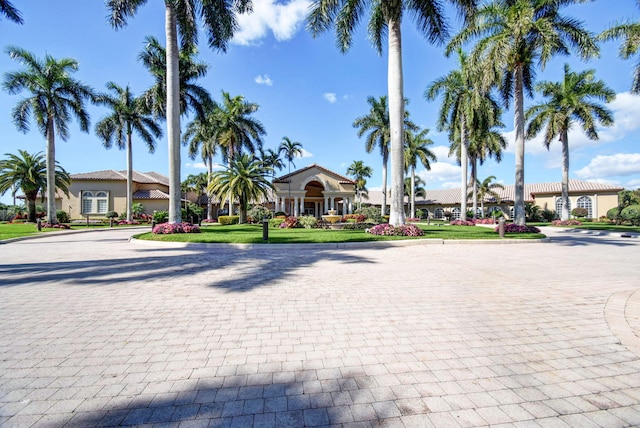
597, 198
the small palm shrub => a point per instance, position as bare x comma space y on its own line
308, 221
170, 228
160, 217
226, 220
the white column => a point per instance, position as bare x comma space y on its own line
326, 204
333, 203
345, 206
350, 206
295, 206
301, 205
277, 208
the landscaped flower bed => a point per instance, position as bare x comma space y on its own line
385, 229
566, 223
514, 228
462, 223
170, 228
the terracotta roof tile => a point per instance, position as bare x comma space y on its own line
342, 178
112, 175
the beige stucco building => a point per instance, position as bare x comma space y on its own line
314, 190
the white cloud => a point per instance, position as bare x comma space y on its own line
263, 80
442, 154
618, 165
330, 96
305, 154
442, 175
282, 20
196, 165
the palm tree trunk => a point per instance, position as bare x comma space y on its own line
464, 162
385, 164
518, 97
31, 206
51, 172
413, 192
396, 123
173, 113
129, 178
474, 178
564, 139
209, 202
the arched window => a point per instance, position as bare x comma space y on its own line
455, 214
439, 214
95, 202
512, 212
559, 206
87, 199
479, 213
585, 202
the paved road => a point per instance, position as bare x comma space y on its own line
97, 331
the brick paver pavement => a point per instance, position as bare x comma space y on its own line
97, 331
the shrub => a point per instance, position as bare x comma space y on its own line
138, 209
358, 218
126, 222
514, 228
462, 223
276, 222
358, 226
371, 213
160, 217
420, 213
385, 229
62, 216
257, 212
308, 221
570, 222
170, 228
111, 214
413, 219
55, 226
631, 214
290, 222
579, 212
280, 213
226, 220
485, 221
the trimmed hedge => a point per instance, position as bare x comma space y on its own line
225, 220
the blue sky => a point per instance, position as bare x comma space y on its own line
308, 91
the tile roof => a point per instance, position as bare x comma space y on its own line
150, 194
342, 178
113, 175
452, 196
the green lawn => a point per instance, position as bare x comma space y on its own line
609, 227
252, 234
16, 230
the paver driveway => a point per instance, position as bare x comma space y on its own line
96, 331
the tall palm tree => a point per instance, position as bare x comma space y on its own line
192, 97
10, 12
219, 21
574, 100
246, 178
385, 21
54, 97
414, 187
513, 35
271, 159
201, 136
486, 189
463, 103
29, 173
127, 117
236, 128
196, 183
485, 143
290, 149
360, 172
630, 33
416, 149
377, 127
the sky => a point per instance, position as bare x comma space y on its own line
308, 91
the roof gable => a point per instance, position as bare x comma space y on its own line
308, 170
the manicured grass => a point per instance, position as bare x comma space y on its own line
252, 234
16, 230
610, 227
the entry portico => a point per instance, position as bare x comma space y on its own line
314, 190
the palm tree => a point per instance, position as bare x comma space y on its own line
377, 127
246, 178
236, 129
29, 173
193, 97
272, 160
55, 96
574, 100
416, 149
290, 149
486, 189
196, 183
630, 33
463, 103
513, 34
413, 188
10, 12
360, 172
485, 143
127, 116
201, 135
385, 23
219, 19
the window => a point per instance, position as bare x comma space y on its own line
455, 214
95, 202
512, 211
479, 213
439, 214
585, 202
559, 206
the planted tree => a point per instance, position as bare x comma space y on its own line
10, 12
417, 150
360, 172
629, 32
290, 150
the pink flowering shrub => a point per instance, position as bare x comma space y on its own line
289, 223
359, 218
485, 221
462, 223
566, 223
206, 220
385, 229
413, 219
48, 225
123, 222
514, 228
169, 228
